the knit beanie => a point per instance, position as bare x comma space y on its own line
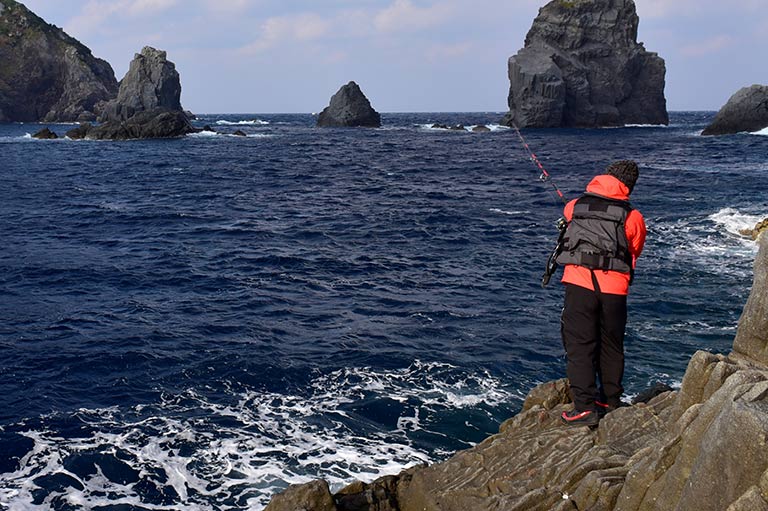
625, 171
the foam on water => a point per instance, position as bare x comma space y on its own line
763, 132
234, 455
248, 122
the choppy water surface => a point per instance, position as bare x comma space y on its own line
196, 323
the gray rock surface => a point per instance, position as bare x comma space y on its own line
747, 110
582, 66
46, 75
148, 104
151, 83
752, 334
349, 108
45, 134
704, 447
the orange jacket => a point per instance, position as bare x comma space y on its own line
610, 282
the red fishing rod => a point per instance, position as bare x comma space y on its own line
561, 224
544, 177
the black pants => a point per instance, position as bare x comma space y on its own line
592, 327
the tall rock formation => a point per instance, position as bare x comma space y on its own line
46, 75
348, 108
747, 110
151, 83
703, 447
583, 67
148, 104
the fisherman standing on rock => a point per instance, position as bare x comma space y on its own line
601, 243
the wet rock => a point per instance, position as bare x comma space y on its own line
240, 133
349, 108
440, 126
46, 75
457, 127
481, 129
759, 228
747, 110
313, 496
45, 134
582, 66
80, 132
150, 124
206, 127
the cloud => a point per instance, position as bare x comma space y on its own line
284, 29
402, 15
449, 51
707, 47
96, 12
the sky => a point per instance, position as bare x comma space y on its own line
270, 56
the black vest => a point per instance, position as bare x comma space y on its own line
595, 237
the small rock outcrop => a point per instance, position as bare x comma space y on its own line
760, 228
582, 66
45, 134
148, 104
46, 75
702, 447
349, 108
747, 110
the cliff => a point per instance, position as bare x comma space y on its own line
746, 110
702, 447
46, 75
582, 66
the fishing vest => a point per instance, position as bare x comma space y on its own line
595, 237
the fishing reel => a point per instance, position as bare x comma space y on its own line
551, 268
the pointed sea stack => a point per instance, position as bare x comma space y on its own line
148, 104
583, 67
46, 75
747, 110
349, 108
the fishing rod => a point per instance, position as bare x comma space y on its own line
561, 224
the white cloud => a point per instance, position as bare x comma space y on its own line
403, 15
96, 12
283, 29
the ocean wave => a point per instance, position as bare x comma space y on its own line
251, 122
762, 132
511, 213
733, 220
468, 127
211, 455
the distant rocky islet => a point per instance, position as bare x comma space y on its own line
581, 66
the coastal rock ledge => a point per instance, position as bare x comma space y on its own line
745, 111
582, 67
703, 447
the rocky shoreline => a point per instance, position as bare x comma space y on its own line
704, 446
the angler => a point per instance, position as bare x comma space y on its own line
601, 237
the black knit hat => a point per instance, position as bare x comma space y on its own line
625, 171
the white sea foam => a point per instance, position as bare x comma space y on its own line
212, 453
469, 127
511, 213
763, 132
203, 134
733, 220
251, 122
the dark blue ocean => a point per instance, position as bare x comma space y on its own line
196, 323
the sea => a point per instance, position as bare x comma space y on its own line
196, 323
